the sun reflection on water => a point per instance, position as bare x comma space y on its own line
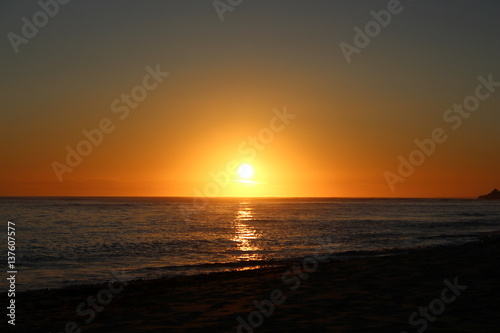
245, 235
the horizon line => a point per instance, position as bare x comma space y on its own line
221, 197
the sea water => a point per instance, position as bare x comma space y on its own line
77, 240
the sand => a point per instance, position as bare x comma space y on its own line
372, 294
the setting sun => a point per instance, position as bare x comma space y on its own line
245, 171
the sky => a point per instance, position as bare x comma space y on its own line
321, 98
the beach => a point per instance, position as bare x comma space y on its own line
373, 294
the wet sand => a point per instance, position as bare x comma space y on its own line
376, 294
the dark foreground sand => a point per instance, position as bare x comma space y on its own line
363, 295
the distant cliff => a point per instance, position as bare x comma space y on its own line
494, 195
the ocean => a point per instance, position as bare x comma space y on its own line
82, 240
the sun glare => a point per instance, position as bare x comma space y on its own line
245, 171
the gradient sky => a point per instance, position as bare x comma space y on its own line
226, 77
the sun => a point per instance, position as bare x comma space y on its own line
245, 171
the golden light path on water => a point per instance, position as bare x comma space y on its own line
245, 234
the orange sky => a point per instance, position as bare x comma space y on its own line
352, 121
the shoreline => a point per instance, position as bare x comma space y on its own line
376, 293
240, 266
256, 265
